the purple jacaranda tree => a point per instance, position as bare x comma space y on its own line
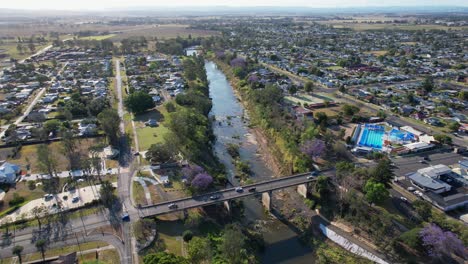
313, 148
238, 62
253, 78
220, 55
202, 181
439, 242
191, 171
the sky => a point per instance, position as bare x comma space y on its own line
105, 4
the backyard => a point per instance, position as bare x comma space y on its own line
151, 135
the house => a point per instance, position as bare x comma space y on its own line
87, 129
9, 172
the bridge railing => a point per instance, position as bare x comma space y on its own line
229, 190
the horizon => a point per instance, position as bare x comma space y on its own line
90, 5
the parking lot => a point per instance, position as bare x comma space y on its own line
405, 165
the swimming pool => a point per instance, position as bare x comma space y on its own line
372, 136
397, 135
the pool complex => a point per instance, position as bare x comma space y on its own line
372, 136
397, 135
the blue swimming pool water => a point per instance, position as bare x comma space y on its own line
372, 136
397, 135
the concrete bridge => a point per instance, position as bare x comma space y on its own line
265, 188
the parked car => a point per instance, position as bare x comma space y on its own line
75, 199
172, 206
48, 196
239, 189
403, 199
411, 189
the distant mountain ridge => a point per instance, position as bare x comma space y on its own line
228, 10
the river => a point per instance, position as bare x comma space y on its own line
231, 126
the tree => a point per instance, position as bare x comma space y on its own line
19, 48
202, 181
423, 208
164, 258
47, 162
41, 246
38, 212
383, 172
375, 192
52, 125
321, 185
108, 198
309, 87
32, 47
187, 236
199, 250
428, 84
160, 152
443, 139
313, 148
350, 110
139, 102
17, 250
110, 123
453, 126
70, 149
292, 89
412, 238
191, 171
232, 245
321, 117
441, 243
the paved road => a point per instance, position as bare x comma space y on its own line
229, 194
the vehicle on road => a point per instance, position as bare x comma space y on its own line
403, 199
125, 217
215, 197
239, 189
253, 189
418, 193
173, 206
411, 189
314, 173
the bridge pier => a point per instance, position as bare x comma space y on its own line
266, 200
227, 205
302, 189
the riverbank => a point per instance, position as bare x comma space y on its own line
265, 146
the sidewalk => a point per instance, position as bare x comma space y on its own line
65, 174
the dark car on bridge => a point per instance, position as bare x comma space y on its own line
253, 189
215, 197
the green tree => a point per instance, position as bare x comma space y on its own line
443, 139
350, 110
232, 245
383, 172
428, 84
375, 192
17, 250
199, 250
187, 235
108, 198
47, 162
164, 258
139, 102
423, 208
412, 238
41, 246
110, 123
453, 126
52, 125
309, 87
160, 152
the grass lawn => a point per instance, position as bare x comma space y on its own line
10, 49
139, 193
22, 190
101, 37
65, 250
28, 154
151, 135
171, 234
108, 256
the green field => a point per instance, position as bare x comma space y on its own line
101, 37
305, 99
151, 135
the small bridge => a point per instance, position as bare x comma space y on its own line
265, 188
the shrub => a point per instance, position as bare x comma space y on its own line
187, 235
17, 199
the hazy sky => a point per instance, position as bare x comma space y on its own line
100, 4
